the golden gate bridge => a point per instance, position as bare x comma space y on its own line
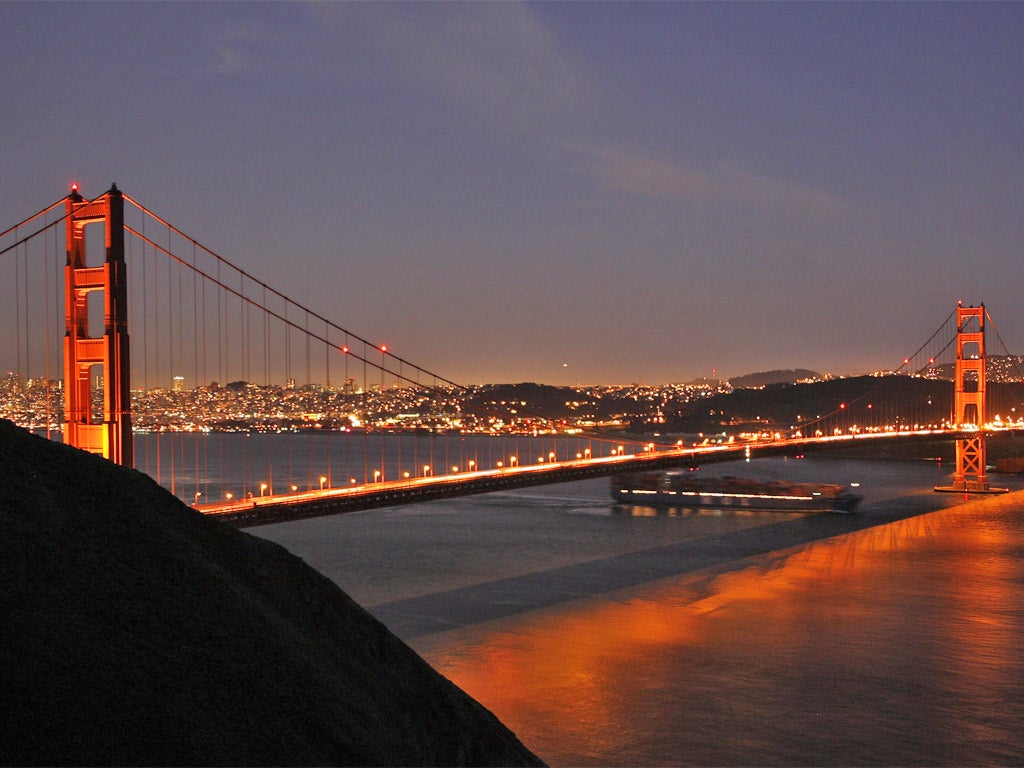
111, 378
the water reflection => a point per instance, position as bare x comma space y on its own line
642, 510
895, 644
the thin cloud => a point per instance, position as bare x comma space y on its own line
258, 44
238, 49
230, 60
496, 60
634, 173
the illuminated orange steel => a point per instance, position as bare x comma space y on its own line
107, 432
969, 399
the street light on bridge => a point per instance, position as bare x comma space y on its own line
323, 479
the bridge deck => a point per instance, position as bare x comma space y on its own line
332, 501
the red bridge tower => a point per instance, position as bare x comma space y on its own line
969, 403
107, 429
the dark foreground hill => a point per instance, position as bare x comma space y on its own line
137, 632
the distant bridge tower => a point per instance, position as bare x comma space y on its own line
969, 403
108, 431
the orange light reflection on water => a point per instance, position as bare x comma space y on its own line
821, 634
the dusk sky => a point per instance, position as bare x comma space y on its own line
557, 192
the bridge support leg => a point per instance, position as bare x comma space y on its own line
970, 475
108, 432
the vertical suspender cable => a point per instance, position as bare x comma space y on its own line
243, 356
382, 409
144, 290
287, 347
329, 400
309, 432
401, 427
243, 316
289, 385
366, 420
156, 353
180, 369
28, 346
17, 308
170, 348
220, 351
46, 292
202, 318
195, 368
221, 340
58, 293
267, 353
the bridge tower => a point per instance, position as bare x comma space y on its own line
106, 431
969, 403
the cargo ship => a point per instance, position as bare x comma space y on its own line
683, 489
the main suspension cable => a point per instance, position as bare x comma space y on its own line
285, 298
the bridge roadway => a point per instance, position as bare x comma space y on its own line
281, 508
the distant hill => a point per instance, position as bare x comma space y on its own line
766, 378
136, 631
866, 398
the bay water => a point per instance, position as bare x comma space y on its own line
609, 634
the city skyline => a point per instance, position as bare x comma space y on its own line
563, 193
